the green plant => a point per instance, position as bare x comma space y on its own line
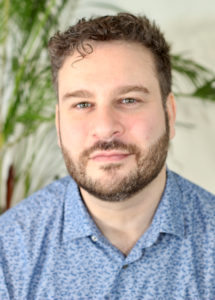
201, 79
25, 89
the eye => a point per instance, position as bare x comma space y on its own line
83, 105
129, 101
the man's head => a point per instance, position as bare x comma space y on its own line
124, 27
114, 116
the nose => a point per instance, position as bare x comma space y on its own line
106, 125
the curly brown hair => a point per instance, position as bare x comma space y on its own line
123, 26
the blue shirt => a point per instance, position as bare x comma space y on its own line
50, 248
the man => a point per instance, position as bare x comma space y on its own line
122, 226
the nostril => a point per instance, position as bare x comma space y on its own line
106, 126
107, 132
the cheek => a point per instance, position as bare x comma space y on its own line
74, 135
147, 128
141, 128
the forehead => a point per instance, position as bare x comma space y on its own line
109, 64
111, 50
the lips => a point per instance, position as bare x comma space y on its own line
109, 156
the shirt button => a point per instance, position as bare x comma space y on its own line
125, 266
94, 238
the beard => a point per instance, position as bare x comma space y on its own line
149, 163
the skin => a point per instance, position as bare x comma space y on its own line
92, 108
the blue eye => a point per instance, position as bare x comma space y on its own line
83, 105
129, 101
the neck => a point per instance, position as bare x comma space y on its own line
123, 223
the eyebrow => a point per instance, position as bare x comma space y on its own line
133, 88
120, 90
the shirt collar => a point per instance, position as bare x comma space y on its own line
168, 217
170, 210
77, 221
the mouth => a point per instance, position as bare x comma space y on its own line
109, 156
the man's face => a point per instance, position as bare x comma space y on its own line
111, 124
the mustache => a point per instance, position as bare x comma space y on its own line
113, 145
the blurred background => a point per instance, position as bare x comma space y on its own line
29, 155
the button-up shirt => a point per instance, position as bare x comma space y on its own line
50, 248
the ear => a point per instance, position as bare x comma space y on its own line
57, 124
171, 111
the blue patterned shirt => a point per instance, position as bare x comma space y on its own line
50, 248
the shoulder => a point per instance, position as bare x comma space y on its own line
198, 203
38, 205
193, 191
30, 232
